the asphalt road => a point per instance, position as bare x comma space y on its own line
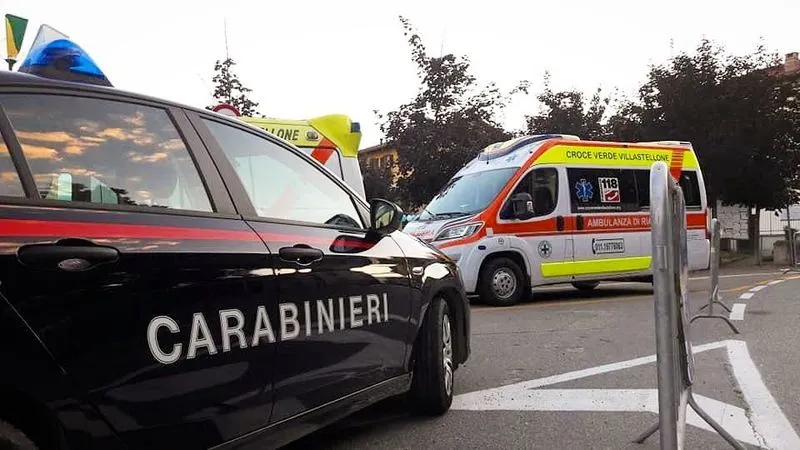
571, 371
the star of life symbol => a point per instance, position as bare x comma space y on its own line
545, 249
584, 190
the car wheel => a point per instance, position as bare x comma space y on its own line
501, 283
12, 438
586, 286
434, 366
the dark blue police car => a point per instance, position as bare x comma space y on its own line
172, 278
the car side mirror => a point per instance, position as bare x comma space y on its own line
522, 205
385, 217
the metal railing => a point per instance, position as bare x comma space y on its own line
794, 258
715, 297
674, 357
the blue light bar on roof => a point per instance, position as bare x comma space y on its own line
63, 59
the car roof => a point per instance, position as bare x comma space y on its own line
18, 79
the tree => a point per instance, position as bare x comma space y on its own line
741, 118
228, 89
447, 123
568, 112
378, 184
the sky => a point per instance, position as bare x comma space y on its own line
313, 57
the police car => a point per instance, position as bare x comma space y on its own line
172, 278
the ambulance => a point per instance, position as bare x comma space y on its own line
553, 209
332, 140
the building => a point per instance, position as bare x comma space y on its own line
789, 68
379, 156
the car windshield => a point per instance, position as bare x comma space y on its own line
467, 194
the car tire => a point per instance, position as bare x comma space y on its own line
434, 365
501, 283
585, 286
11, 438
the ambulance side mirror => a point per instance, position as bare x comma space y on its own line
522, 205
385, 217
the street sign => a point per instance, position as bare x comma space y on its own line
227, 110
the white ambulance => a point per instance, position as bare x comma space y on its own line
551, 209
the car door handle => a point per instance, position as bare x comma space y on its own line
301, 254
71, 255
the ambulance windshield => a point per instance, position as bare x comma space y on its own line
467, 194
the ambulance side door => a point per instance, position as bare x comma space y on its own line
547, 236
609, 222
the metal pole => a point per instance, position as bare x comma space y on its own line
715, 296
663, 262
791, 242
674, 357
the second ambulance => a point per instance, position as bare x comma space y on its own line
551, 209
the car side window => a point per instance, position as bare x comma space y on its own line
10, 184
542, 185
93, 150
282, 185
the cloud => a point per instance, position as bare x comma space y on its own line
39, 152
45, 136
155, 157
9, 177
70, 144
172, 144
82, 172
136, 119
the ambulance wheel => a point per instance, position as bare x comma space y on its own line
12, 438
501, 282
585, 286
434, 368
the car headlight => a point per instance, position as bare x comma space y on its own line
458, 231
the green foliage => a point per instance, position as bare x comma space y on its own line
451, 118
569, 112
741, 118
229, 89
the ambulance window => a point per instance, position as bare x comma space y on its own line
542, 185
643, 186
691, 189
602, 190
688, 182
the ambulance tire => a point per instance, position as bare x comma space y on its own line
585, 286
510, 280
12, 438
434, 366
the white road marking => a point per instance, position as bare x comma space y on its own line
737, 312
770, 428
731, 417
746, 296
740, 275
758, 288
773, 283
768, 419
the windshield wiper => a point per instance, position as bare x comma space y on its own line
449, 215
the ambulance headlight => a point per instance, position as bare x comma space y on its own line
458, 231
